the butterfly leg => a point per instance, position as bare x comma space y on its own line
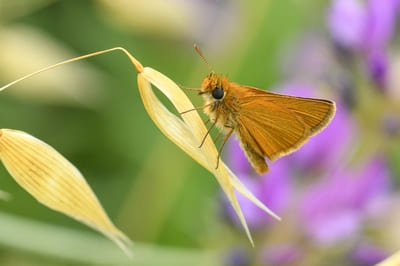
222, 146
208, 132
189, 89
217, 137
194, 109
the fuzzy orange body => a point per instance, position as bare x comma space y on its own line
267, 124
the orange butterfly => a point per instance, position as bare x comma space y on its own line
267, 124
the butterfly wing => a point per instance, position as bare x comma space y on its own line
274, 125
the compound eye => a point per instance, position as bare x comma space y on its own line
218, 93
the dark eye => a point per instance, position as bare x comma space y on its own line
218, 93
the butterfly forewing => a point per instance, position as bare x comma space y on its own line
316, 113
278, 124
274, 128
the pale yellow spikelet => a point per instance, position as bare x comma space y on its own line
54, 181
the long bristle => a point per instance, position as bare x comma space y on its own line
138, 66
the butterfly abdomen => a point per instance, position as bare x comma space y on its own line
257, 161
252, 150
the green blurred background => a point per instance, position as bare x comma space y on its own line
92, 113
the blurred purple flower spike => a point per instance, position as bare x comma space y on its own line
361, 27
335, 208
372, 184
367, 254
346, 22
237, 159
377, 63
273, 189
365, 29
380, 23
283, 254
379, 29
325, 217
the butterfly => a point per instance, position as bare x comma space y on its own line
268, 125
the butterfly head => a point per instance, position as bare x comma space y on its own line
214, 87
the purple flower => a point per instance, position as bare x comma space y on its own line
334, 208
367, 254
346, 22
367, 30
283, 254
380, 23
377, 63
273, 189
362, 27
237, 159
309, 57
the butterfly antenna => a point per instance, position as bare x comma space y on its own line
196, 47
